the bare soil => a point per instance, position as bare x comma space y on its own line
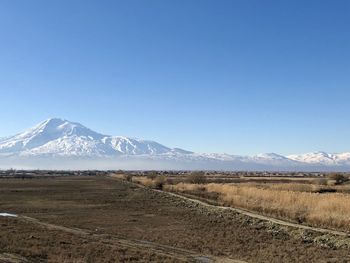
100, 219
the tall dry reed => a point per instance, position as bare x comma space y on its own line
330, 210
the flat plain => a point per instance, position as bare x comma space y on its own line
104, 219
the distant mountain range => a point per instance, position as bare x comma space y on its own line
61, 144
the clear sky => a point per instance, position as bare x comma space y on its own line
240, 77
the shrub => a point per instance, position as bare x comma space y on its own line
128, 177
169, 181
320, 181
338, 178
152, 175
196, 178
159, 182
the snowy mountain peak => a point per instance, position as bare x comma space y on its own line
62, 127
321, 158
46, 132
58, 137
61, 137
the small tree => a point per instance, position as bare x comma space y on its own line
159, 182
152, 175
128, 177
197, 177
321, 181
338, 178
169, 181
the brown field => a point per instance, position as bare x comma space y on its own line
103, 219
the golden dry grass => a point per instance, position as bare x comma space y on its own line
295, 187
118, 176
143, 180
301, 187
331, 210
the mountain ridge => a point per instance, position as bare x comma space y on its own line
56, 137
62, 137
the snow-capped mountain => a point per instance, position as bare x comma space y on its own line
60, 137
274, 159
71, 141
322, 158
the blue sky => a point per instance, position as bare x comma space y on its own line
241, 77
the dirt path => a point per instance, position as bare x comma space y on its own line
258, 216
181, 254
12, 258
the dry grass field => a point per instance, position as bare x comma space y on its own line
320, 205
299, 203
103, 219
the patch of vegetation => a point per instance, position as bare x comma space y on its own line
338, 178
197, 177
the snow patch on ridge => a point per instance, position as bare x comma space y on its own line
8, 215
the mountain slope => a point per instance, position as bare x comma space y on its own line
58, 138
44, 133
322, 158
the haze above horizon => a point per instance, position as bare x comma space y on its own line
241, 77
